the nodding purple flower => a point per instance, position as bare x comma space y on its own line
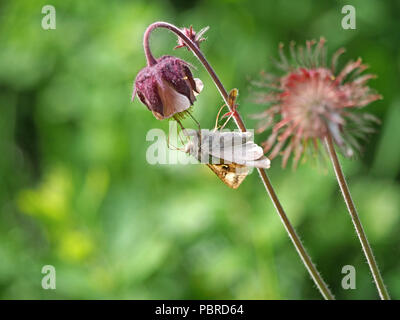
167, 87
310, 99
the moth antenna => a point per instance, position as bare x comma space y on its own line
170, 146
217, 119
227, 120
180, 138
179, 122
182, 129
194, 119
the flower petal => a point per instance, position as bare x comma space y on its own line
173, 102
199, 86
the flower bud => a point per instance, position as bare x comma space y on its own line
196, 37
167, 87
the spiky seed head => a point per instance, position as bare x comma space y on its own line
311, 99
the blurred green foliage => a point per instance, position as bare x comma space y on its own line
76, 191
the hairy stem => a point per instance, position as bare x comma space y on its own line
356, 220
323, 288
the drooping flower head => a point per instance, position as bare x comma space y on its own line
167, 87
311, 100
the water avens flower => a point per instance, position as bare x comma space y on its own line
311, 99
191, 43
167, 87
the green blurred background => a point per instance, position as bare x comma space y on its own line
77, 193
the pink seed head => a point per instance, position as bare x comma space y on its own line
309, 101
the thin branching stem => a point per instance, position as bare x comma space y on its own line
323, 288
356, 220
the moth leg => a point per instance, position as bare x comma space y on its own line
179, 122
194, 119
182, 129
170, 146
197, 123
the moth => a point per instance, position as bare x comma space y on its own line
228, 154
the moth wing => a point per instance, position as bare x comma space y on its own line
240, 153
224, 139
249, 151
251, 155
231, 174
263, 162
219, 143
231, 147
235, 138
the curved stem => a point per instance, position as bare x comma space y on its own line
323, 288
146, 45
356, 220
